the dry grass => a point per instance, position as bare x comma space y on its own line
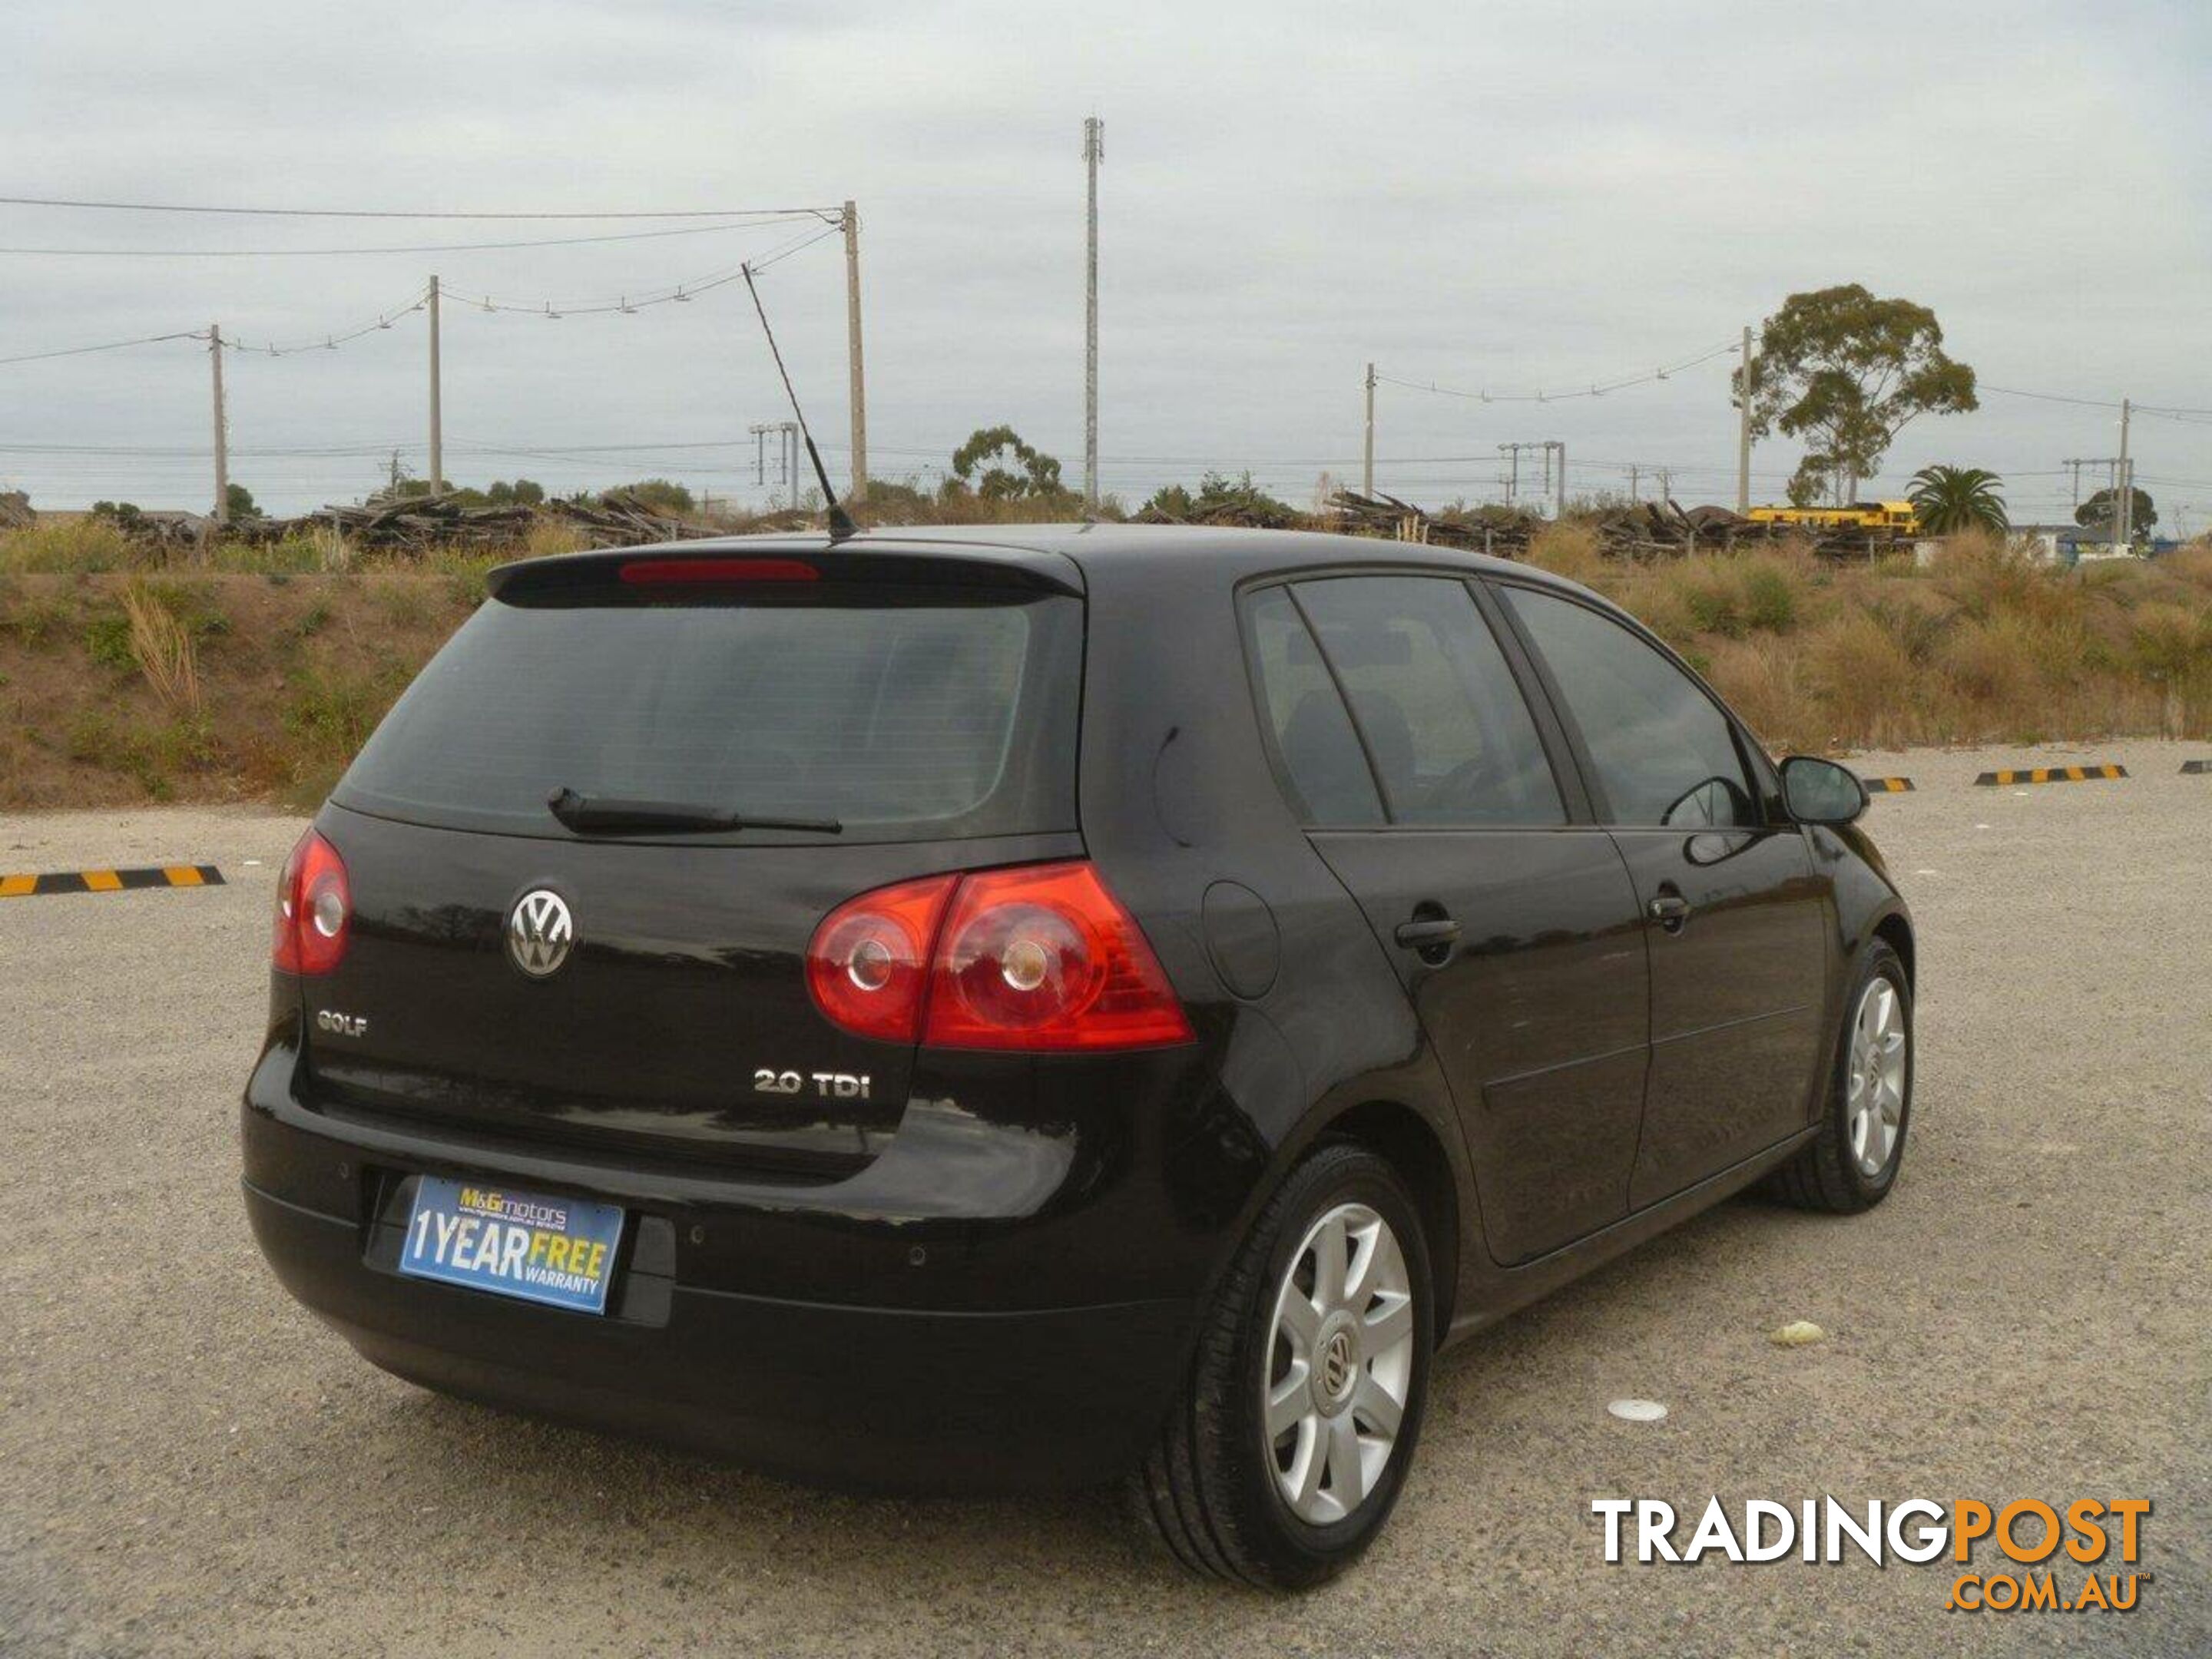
119, 689
1983, 645
163, 647
1569, 550
549, 535
112, 680
68, 545
1728, 596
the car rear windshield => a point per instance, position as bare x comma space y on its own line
902, 714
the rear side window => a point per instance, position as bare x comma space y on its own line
1444, 723
902, 714
1665, 754
1313, 734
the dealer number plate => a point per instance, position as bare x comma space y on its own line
554, 1250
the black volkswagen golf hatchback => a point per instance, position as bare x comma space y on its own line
979, 1009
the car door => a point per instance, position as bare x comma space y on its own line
1735, 913
1427, 784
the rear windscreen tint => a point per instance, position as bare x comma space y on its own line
903, 714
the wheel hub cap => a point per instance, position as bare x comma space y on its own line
1340, 1364
1339, 1370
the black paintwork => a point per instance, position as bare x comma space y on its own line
989, 1274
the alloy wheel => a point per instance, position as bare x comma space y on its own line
1874, 1103
1340, 1364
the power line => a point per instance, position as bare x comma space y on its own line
2094, 403
110, 345
393, 213
329, 341
679, 292
384, 248
2047, 397
1595, 389
386, 319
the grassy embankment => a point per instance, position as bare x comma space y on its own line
255, 673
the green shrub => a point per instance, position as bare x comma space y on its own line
107, 641
1771, 598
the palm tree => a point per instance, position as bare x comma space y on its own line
1952, 498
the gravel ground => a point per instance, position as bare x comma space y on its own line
190, 1464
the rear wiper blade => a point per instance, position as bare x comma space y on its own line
612, 815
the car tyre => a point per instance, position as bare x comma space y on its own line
1290, 1509
1853, 1163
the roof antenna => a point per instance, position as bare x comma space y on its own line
841, 524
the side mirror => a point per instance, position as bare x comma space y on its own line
1820, 792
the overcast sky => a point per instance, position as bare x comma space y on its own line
1507, 197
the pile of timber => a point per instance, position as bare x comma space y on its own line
1503, 531
1657, 530
416, 524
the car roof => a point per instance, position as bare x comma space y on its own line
1102, 553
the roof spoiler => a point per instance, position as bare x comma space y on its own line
736, 563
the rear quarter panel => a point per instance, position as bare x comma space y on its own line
1177, 800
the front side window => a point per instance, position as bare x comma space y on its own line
1665, 754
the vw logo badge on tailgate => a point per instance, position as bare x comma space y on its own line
539, 933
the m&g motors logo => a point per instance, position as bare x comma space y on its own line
2060, 1544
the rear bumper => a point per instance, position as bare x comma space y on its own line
866, 1398
935, 1324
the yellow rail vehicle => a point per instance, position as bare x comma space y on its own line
1897, 517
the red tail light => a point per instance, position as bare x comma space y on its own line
314, 909
1038, 958
1045, 957
867, 965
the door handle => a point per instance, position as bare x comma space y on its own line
1670, 911
1428, 934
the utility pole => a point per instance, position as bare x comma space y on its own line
2073, 463
1743, 433
1094, 151
1633, 472
437, 418
1666, 484
222, 437
786, 456
1556, 490
1367, 466
2124, 499
860, 386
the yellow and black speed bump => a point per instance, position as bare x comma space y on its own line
2196, 766
109, 881
2054, 775
1888, 785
